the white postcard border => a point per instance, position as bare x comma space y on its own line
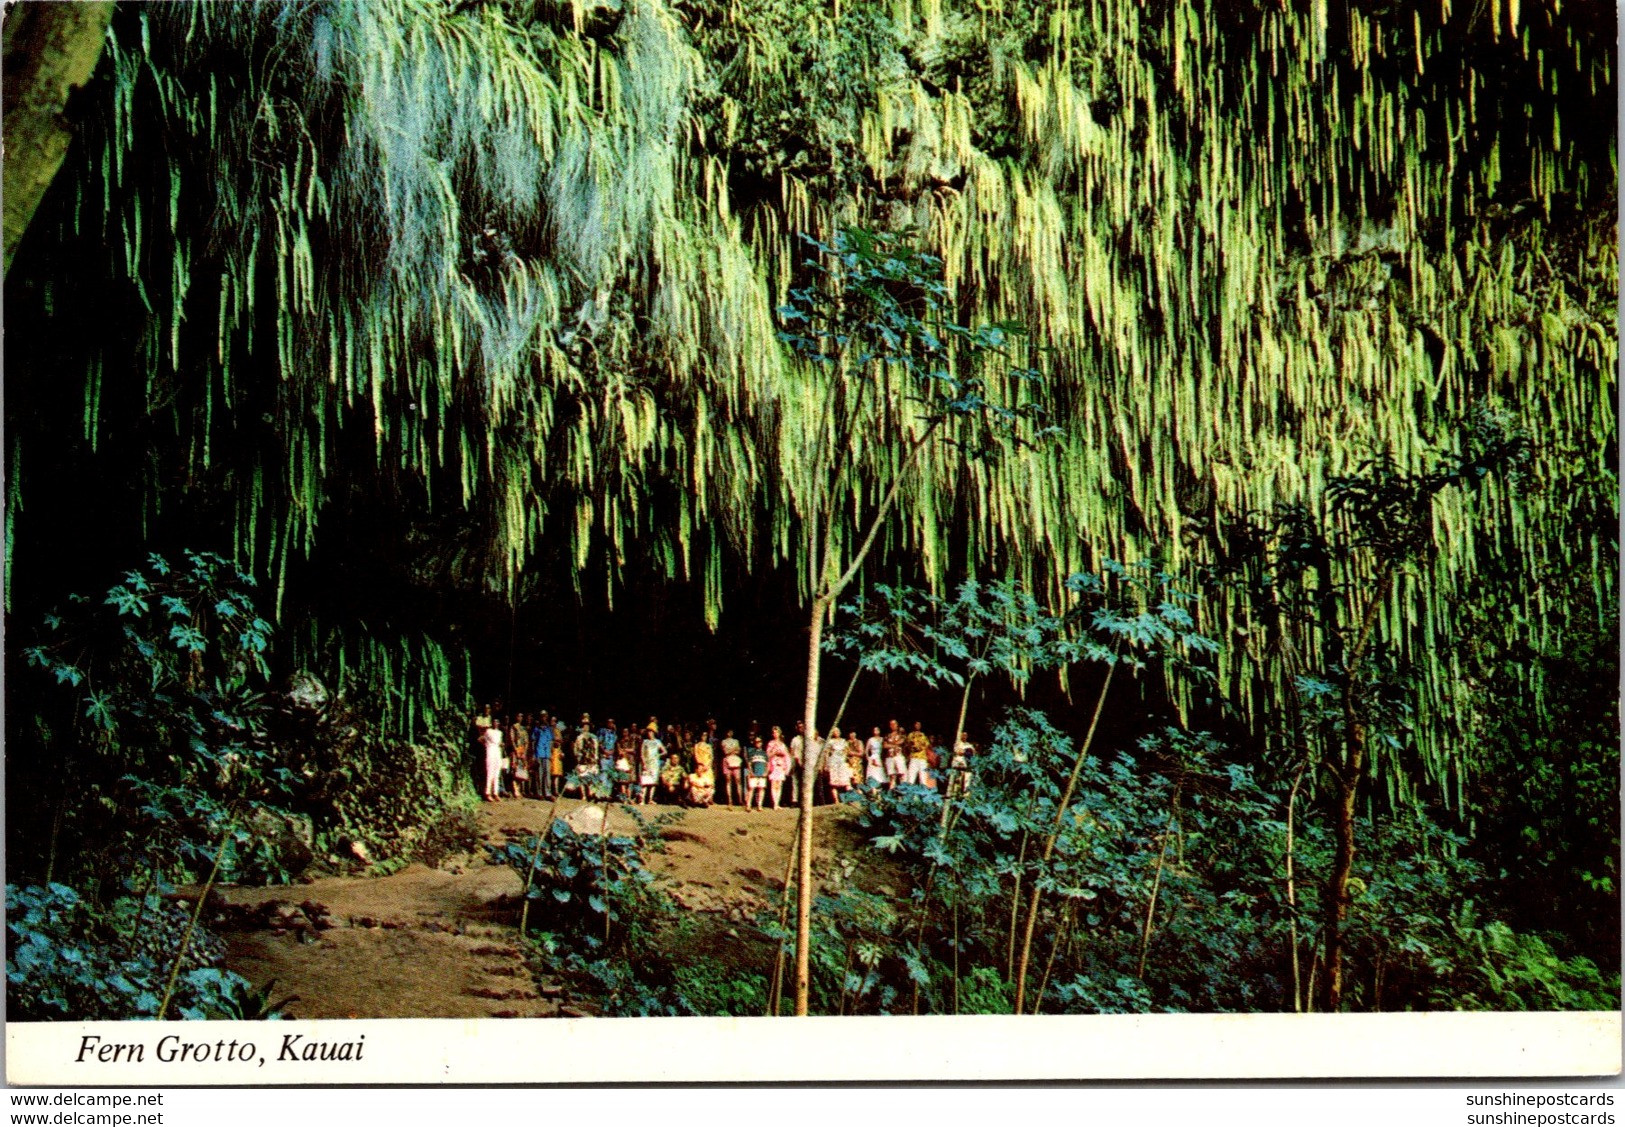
755, 1050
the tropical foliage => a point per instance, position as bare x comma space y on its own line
66, 960
604, 922
1164, 892
409, 317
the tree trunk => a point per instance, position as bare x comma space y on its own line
804, 825
1055, 831
775, 993
1064, 938
840, 712
828, 591
1337, 895
50, 50
1156, 889
1015, 892
1348, 784
953, 741
541, 838
1298, 1001
191, 924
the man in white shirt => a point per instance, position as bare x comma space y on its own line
798, 745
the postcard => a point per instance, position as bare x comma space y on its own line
805, 541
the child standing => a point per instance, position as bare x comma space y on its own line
623, 774
555, 763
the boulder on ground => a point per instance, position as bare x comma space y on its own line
306, 693
291, 837
588, 820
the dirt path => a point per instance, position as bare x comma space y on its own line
443, 942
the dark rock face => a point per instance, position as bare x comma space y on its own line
598, 18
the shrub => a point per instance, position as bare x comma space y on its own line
455, 832
160, 715
1514, 971
604, 919
1171, 835
713, 989
66, 961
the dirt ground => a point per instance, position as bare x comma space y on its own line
443, 942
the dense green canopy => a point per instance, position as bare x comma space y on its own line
521, 261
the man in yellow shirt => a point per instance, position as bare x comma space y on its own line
918, 746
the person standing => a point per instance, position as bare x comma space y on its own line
959, 768
778, 764
477, 727
608, 738
555, 762
491, 738
918, 746
585, 753
649, 765
798, 753
758, 761
874, 760
499, 721
541, 746
854, 755
836, 768
896, 760
519, 755
622, 769
733, 777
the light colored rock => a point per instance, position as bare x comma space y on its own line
588, 820
307, 693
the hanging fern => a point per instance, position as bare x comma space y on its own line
527, 270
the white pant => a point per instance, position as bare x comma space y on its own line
916, 772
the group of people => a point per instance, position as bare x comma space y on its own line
538, 756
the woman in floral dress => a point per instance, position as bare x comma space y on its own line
519, 755
836, 769
649, 764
